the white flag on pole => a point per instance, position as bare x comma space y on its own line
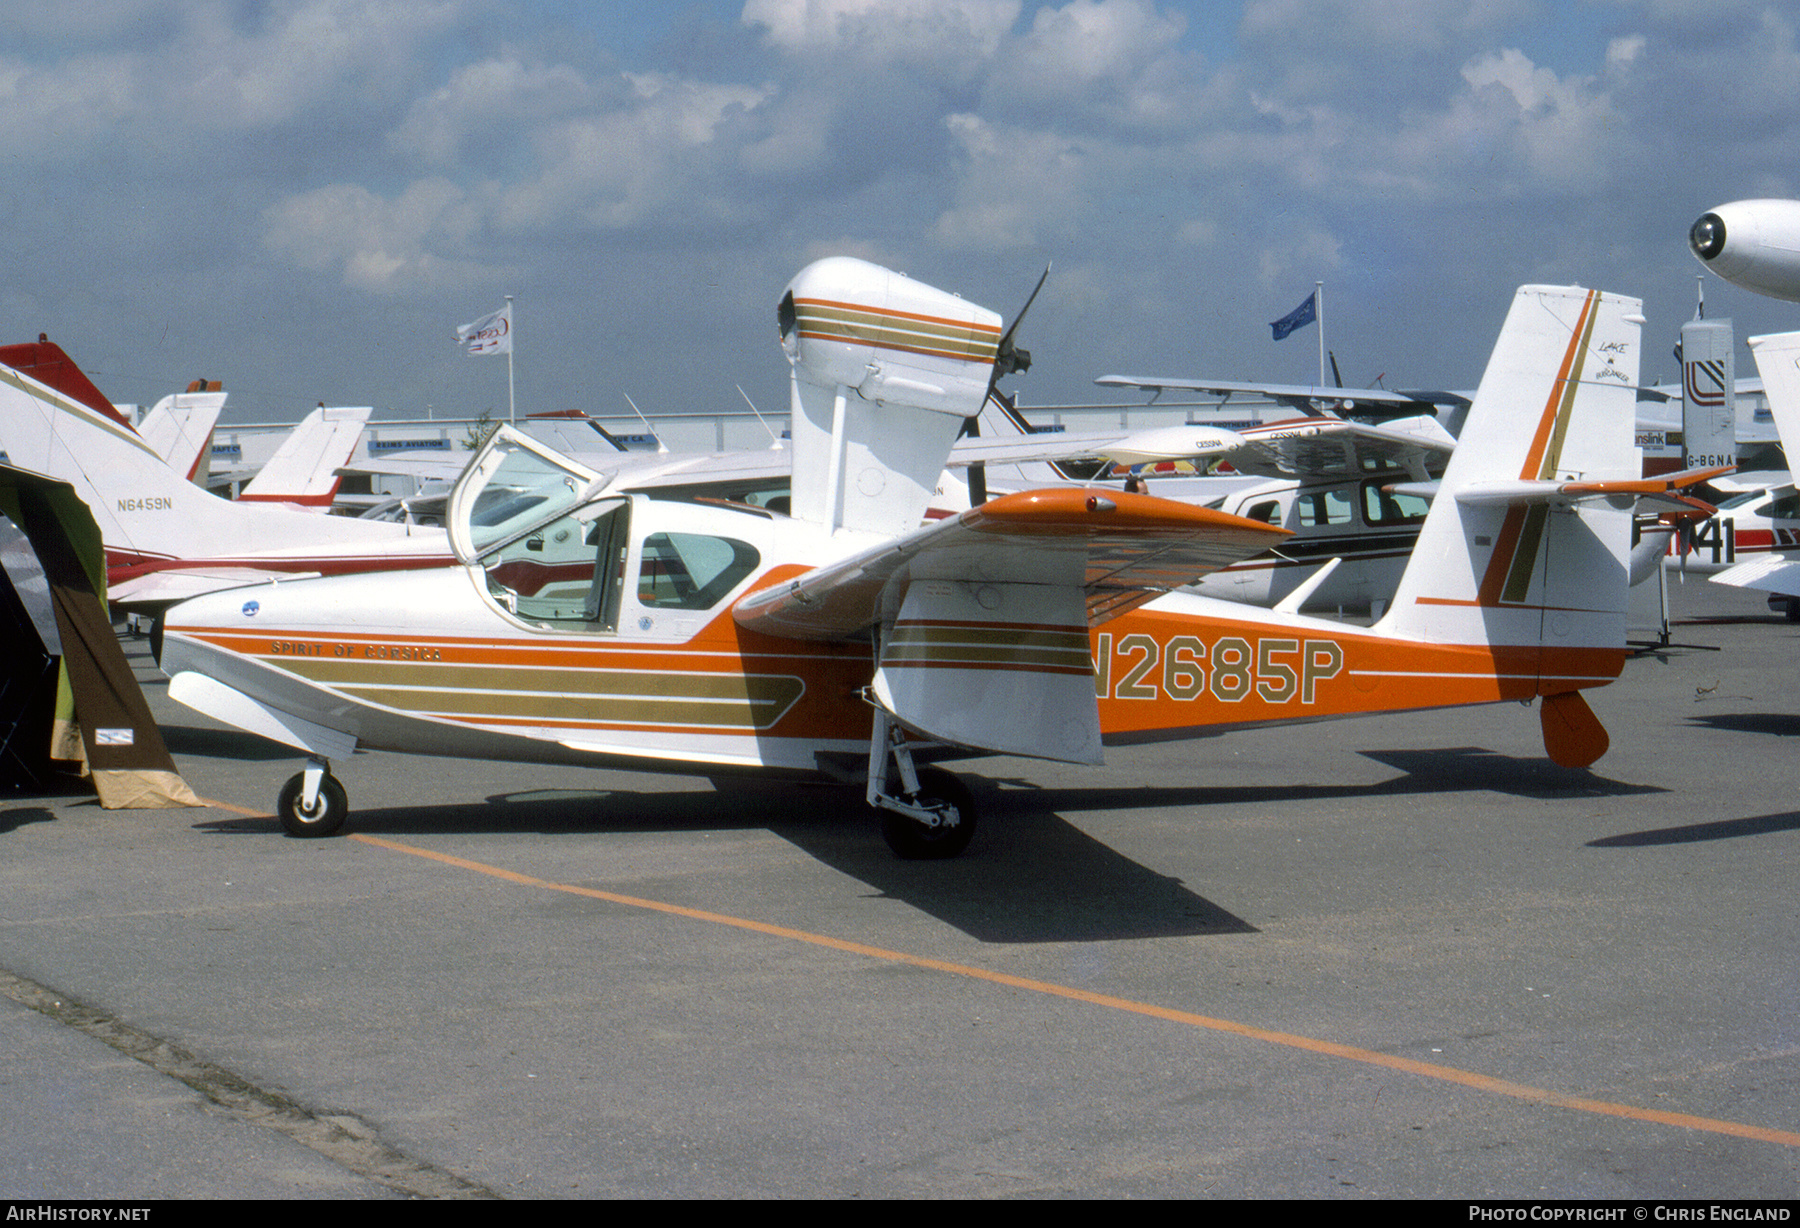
491, 334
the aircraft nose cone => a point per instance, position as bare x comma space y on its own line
1707, 237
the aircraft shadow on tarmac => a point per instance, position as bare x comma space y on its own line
13, 819
1700, 833
1030, 876
1778, 724
223, 744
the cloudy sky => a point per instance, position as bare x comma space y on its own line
304, 197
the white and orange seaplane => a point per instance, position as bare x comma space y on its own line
620, 630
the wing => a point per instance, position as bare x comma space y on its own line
1118, 549
162, 588
1657, 494
1307, 398
1772, 573
984, 617
1323, 449
1048, 446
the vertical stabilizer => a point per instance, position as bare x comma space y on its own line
1516, 554
1778, 362
1708, 395
150, 516
180, 428
885, 372
303, 471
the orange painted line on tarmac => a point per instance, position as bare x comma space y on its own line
1429, 1070
243, 810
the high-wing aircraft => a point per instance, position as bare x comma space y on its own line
1309, 400
583, 625
1325, 479
1752, 243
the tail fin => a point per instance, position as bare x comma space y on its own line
1778, 362
1527, 543
303, 471
148, 514
180, 427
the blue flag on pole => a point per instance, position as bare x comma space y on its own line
1298, 318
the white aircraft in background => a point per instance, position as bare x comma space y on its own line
167, 539
1763, 545
583, 624
1754, 244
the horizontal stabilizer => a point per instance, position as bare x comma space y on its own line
167, 587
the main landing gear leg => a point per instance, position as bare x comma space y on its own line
932, 817
313, 803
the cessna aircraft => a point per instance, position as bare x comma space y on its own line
585, 625
1325, 479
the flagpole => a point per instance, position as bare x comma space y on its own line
512, 326
1319, 310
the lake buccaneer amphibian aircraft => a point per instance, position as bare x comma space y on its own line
844, 640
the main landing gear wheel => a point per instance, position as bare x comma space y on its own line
326, 816
914, 839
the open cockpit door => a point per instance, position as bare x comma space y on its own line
513, 486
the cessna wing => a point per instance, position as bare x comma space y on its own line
1307, 398
1320, 449
1116, 550
1661, 494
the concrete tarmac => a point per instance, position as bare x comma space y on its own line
1396, 957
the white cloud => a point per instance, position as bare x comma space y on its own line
1099, 62
951, 34
377, 245
658, 159
1556, 134
306, 54
492, 99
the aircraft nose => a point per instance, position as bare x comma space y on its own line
1707, 237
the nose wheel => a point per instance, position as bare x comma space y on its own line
313, 803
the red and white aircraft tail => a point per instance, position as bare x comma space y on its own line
180, 428
303, 473
167, 539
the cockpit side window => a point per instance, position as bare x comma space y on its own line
1383, 507
692, 571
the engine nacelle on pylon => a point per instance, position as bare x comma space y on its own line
885, 371
1754, 244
